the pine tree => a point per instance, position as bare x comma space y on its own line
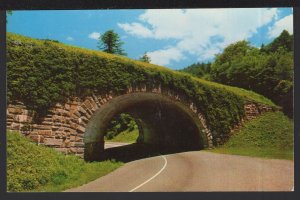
145, 58
284, 41
110, 42
8, 12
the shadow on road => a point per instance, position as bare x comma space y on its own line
137, 151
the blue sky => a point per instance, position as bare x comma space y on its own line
174, 38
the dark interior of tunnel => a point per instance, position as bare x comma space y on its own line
163, 128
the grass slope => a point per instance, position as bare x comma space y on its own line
126, 136
270, 136
37, 168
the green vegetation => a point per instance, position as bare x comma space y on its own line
37, 168
122, 128
270, 135
9, 12
268, 70
110, 42
145, 58
129, 136
201, 70
41, 73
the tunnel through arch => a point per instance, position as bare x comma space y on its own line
162, 121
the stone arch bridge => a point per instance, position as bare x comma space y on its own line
171, 108
78, 127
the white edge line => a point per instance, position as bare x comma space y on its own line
166, 162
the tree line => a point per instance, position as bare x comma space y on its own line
267, 70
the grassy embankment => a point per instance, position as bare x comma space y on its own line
128, 136
37, 168
269, 136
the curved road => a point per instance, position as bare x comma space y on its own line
196, 171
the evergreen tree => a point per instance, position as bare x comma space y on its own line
262, 48
8, 12
110, 42
145, 58
284, 41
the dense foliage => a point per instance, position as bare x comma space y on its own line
37, 168
42, 73
120, 123
268, 70
270, 135
110, 42
201, 70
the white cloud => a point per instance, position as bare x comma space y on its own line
94, 35
210, 53
195, 30
69, 38
136, 29
285, 23
165, 56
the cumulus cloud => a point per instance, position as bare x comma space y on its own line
165, 56
94, 35
69, 38
285, 23
136, 29
201, 32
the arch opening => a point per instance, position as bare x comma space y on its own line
165, 125
122, 128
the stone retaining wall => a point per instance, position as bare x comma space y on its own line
252, 110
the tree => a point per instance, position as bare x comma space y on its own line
145, 58
201, 70
110, 42
8, 12
268, 70
284, 41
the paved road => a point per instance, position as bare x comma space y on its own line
196, 171
108, 145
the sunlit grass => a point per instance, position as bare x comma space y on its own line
38, 168
128, 136
270, 136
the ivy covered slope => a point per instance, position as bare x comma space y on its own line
42, 72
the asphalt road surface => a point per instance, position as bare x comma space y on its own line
196, 171
108, 145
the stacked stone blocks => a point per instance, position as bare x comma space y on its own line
64, 126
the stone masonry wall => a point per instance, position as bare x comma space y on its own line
252, 110
64, 126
